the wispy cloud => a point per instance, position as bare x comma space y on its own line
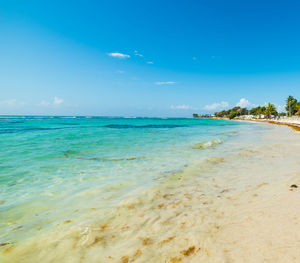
182, 107
121, 71
56, 101
217, 105
164, 82
8, 103
136, 53
194, 58
118, 55
150, 62
244, 103
44, 103
11, 104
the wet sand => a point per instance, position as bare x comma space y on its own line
242, 207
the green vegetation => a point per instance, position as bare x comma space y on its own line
268, 111
257, 111
292, 106
232, 113
298, 109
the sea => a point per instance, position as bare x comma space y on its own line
70, 171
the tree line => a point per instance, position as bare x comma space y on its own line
292, 108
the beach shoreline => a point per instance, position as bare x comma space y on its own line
242, 207
290, 123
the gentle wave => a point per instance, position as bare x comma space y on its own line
208, 144
5, 131
127, 126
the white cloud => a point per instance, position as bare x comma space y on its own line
57, 101
150, 62
118, 55
182, 107
164, 82
217, 105
244, 103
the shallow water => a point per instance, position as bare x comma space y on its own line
81, 184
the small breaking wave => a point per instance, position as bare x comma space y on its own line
208, 144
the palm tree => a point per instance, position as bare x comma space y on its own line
291, 104
270, 110
298, 109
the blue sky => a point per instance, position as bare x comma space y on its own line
146, 58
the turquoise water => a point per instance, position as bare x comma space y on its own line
56, 170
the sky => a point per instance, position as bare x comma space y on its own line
146, 58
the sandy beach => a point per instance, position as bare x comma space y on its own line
243, 207
293, 122
150, 131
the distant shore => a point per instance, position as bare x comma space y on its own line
293, 122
